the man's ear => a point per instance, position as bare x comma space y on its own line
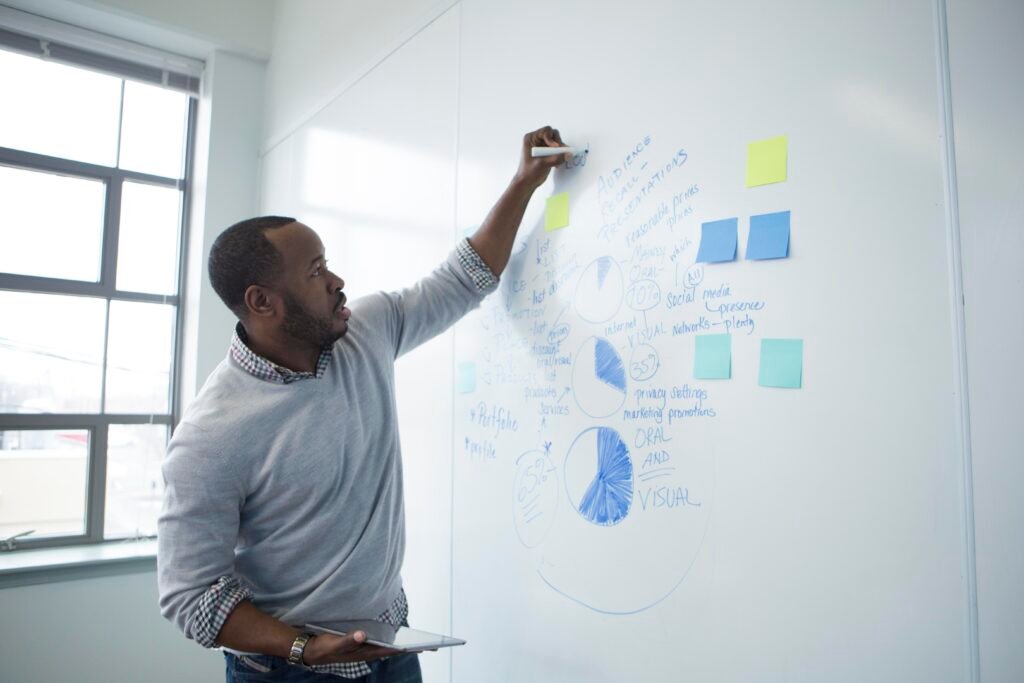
261, 302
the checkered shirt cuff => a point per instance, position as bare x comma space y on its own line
475, 267
396, 615
215, 605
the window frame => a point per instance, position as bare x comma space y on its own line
105, 289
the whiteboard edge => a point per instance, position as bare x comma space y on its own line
417, 26
455, 231
957, 301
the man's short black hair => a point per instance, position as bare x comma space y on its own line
242, 256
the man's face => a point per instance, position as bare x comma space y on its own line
314, 306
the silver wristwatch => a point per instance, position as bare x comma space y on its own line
298, 647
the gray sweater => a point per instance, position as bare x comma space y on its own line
296, 489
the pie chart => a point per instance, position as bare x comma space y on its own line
599, 476
598, 378
600, 290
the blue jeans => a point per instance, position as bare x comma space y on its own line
257, 668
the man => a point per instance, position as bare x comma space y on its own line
283, 501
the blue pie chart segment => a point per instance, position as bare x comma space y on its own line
608, 365
598, 378
600, 290
599, 476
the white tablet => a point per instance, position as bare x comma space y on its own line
402, 638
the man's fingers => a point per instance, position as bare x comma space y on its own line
351, 642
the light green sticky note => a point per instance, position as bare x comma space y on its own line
712, 358
556, 214
465, 382
782, 363
766, 161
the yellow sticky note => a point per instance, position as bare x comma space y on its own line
766, 161
556, 214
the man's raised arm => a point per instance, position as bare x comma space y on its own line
494, 239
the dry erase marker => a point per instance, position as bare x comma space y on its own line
556, 151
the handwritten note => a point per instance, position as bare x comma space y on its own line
782, 363
465, 381
718, 241
766, 161
556, 213
769, 236
712, 358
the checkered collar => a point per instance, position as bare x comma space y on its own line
261, 368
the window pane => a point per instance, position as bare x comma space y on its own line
134, 482
139, 357
147, 252
58, 110
51, 353
50, 238
43, 476
153, 130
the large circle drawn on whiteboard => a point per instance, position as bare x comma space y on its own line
600, 290
599, 476
598, 378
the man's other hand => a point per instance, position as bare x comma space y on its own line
327, 648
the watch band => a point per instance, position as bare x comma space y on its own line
298, 648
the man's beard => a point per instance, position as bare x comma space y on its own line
302, 325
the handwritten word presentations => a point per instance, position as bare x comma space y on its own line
598, 370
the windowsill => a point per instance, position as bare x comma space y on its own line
50, 565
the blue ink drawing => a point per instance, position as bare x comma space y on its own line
604, 264
609, 494
608, 365
599, 291
598, 378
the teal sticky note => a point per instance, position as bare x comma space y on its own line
782, 363
712, 358
769, 236
465, 381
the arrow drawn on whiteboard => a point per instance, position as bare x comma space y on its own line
567, 389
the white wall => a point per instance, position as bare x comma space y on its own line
226, 190
986, 61
100, 630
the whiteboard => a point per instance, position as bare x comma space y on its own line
616, 518
755, 533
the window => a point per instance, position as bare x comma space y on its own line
93, 192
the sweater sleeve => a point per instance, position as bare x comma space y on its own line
419, 313
196, 535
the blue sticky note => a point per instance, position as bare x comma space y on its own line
769, 236
782, 363
718, 241
465, 382
712, 358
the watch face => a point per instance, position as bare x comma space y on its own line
298, 647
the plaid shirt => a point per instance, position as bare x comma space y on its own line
220, 599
